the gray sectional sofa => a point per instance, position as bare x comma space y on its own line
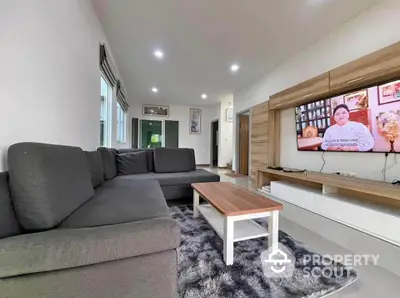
91, 224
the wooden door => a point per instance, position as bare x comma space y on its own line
244, 134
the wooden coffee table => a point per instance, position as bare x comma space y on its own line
231, 211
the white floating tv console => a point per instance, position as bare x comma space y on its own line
367, 205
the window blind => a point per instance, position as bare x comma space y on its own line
106, 65
121, 96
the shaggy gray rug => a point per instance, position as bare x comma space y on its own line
203, 273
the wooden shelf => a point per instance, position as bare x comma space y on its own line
378, 192
243, 230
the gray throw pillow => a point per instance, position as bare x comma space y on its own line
109, 156
48, 183
174, 160
132, 163
9, 225
150, 156
95, 163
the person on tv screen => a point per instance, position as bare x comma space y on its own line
346, 135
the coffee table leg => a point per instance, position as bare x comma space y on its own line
273, 230
228, 240
196, 201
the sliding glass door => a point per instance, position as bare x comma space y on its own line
157, 133
151, 133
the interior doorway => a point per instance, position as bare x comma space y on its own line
171, 134
214, 143
244, 143
135, 133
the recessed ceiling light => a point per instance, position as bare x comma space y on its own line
204, 96
234, 67
154, 89
158, 54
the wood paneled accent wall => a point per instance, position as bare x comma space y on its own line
259, 138
375, 68
274, 136
301, 93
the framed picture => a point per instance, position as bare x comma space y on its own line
336, 101
389, 93
356, 100
229, 115
155, 110
195, 121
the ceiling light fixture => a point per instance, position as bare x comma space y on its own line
234, 67
158, 54
154, 89
204, 96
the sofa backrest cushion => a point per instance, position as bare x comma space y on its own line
109, 156
48, 183
132, 163
150, 156
95, 163
172, 160
9, 225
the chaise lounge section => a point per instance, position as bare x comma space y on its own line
69, 228
174, 169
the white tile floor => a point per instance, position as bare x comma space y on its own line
373, 281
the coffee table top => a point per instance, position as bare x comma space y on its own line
230, 199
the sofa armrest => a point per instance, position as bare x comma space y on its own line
68, 248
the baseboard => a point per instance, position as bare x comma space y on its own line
203, 165
222, 168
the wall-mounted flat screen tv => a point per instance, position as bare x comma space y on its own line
367, 120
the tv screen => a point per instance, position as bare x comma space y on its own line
367, 120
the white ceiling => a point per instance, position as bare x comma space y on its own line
201, 38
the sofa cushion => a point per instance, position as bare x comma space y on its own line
95, 163
184, 178
9, 225
132, 163
69, 248
150, 155
120, 201
173, 160
109, 156
48, 183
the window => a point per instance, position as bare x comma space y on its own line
105, 113
121, 124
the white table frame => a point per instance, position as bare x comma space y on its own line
226, 229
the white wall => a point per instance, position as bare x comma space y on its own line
200, 143
49, 78
370, 31
215, 112
225, 149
